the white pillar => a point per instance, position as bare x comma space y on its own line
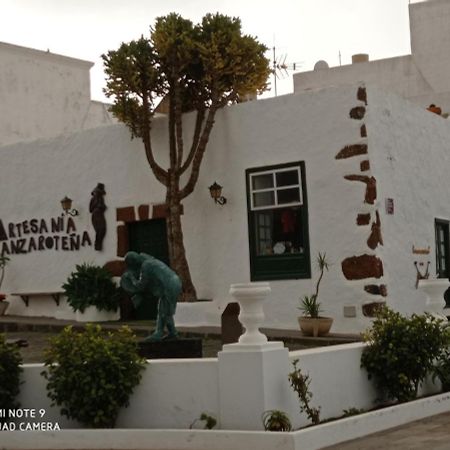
253, 373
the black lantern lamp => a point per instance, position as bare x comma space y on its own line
66, 204
216, 193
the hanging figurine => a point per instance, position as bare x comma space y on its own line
97, 209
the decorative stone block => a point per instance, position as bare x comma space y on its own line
171, 348
122, 240
371, 186
371, 309
160, 211
363, 130
357, 112
363, 219
126, 214
361, 267
116, 267
352, 150
231, 327
365, 165
362, 94
375, 289
375, 237
143, 212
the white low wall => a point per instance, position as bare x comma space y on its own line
173, 393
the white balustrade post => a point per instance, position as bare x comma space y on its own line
253, 373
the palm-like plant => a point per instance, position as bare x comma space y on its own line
309, 304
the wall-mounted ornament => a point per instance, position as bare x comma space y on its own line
97, 209
419, 275
66, 204
421, 251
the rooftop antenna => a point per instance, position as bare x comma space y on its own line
280, 67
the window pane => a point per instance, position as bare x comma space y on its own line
263, 199
287, 178
288, 196
262, 181
279, 231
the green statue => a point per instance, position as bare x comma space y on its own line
147, 275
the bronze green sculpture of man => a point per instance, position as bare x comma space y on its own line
146, 275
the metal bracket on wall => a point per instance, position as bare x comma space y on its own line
419, 275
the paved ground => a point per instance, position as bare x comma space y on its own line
432, 433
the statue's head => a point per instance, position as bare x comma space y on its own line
133, 261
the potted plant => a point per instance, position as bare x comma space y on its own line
311, 323
3, 303
92, 294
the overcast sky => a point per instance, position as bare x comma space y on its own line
303, 30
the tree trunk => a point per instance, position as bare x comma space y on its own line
177, 252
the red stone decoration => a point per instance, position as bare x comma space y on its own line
362, 94
363, 130
371, 189
143, 212
361, 267
126, 214
363, 219
357, 112
365, 165
116, 267
375, 237
371, 309
376, 289
352, 150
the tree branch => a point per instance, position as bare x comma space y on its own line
199, 153
160, 173
195, 140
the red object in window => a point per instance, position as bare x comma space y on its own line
288, 221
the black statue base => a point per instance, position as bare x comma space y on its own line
171, 348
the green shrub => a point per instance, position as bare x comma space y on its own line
92, 374
91, 285
442, 370
10, 370
401, 352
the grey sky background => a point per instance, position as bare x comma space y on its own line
303, 30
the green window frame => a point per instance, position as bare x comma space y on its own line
278, 222
442, 248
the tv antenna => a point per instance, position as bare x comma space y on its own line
280, 67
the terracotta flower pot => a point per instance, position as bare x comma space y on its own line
319, 326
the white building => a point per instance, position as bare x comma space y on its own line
43, 94
421, 77
353, 171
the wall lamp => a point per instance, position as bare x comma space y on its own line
216, 193
66, 204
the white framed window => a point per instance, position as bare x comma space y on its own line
278, 222
276, 188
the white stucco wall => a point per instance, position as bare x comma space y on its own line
43, 94
421, 77
312, 127
409, 155
172, 394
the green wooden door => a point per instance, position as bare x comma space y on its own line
149, 236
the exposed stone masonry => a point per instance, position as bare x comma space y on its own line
365, 266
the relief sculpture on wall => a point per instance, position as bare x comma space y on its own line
97, 209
